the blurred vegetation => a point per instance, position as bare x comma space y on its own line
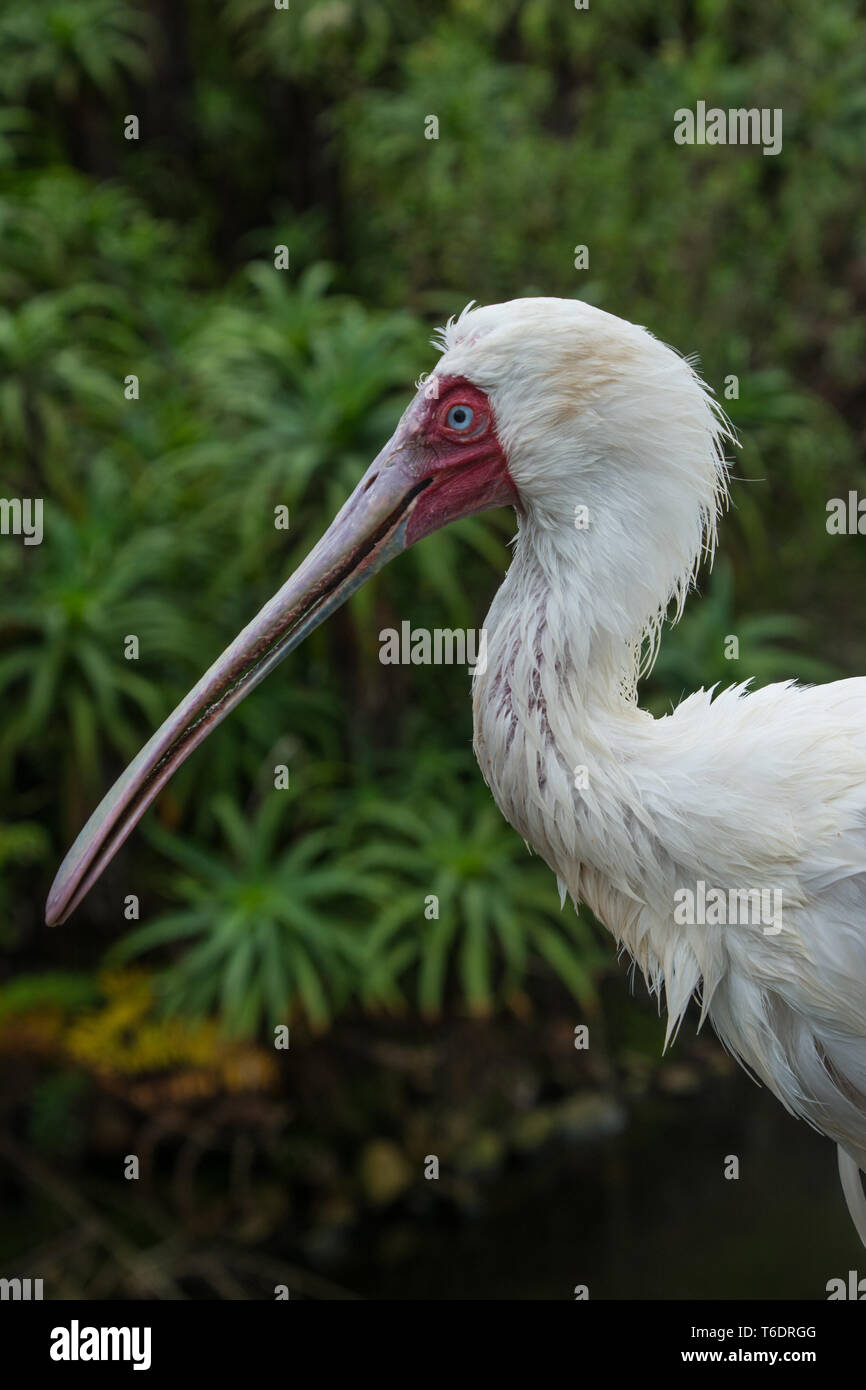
260, 387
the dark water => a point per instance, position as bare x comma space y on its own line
646, 1214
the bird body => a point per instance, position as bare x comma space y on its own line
611, 450
719, 793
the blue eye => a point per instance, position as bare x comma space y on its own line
460, 417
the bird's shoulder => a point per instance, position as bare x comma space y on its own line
772, 776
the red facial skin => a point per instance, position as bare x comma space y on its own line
470, 471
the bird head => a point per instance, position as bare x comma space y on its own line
557, 408
615, 449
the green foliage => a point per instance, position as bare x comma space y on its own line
56, 1123
339, 913
62, 990
299, 387
59, 48
266, 922
463, 897
22, 845
71, 693
695, 653
50, 378
257, 387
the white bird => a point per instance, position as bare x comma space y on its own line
611, 450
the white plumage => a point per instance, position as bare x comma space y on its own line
570, 414
761, 790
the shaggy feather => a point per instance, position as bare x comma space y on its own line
746, 790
